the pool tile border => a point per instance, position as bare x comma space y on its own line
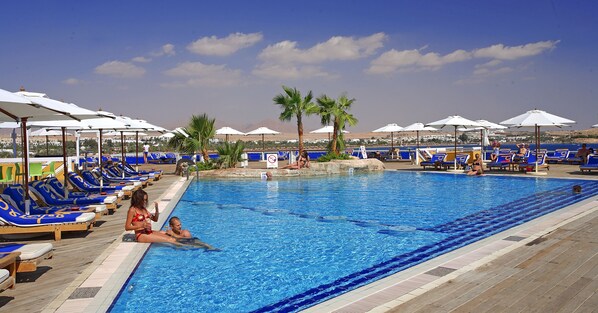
108, 273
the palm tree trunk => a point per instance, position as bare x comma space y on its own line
335, 137
300, 133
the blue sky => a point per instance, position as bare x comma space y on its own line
403, 61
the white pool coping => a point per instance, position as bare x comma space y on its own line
110, 271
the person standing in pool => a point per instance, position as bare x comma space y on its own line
176, 229
140, 220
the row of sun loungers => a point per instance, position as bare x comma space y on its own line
55, 209
509, 160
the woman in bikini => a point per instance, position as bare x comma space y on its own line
476, 166
140, 220
302, 162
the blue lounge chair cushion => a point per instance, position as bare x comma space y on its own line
11, 215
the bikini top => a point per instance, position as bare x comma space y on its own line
140, 217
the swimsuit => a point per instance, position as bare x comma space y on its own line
140, 218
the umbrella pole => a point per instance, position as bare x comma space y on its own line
25, 163
100, 159
263, 148
482, 143
47, 150
417, 147
537, 145
122, 150
136, 151
392, 141
64, 165
455, 161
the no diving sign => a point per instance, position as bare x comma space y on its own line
271, 160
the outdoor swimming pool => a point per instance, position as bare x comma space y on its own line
289, 244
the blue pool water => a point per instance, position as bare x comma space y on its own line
289, 244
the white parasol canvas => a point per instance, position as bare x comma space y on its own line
536, 119
227, 131
262, 131
456, 121
417, 127
326, 130
486, 125
390, 128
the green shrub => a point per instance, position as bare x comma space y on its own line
333, 156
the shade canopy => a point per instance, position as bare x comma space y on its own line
262, 131
46, 132
390, 128
455, 121
14, 107
418, 127
124, 133
229, 131
326, 130
537, 118
596, 126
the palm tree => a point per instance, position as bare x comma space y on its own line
199, 132
293, 104
335, 111
230, 154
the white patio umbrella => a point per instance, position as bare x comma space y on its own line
20, 108
595, 126
390, 128
486, 125
262, 131
417, 127
326, 130
228, 131
536, 119
455, 121
45, 132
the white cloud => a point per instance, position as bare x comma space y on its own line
502, 52
280, 71
71, 81
141, 59
394, 60
485, 71
335, 48
224, 46
120, 69
167, 49
200, 74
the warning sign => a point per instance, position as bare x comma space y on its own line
272, 160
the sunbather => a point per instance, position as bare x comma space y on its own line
476, 167
140, 220
302, 162
583, 153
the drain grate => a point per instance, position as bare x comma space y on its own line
84, 292
514, 238
440, 271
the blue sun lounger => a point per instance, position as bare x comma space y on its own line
58, 189
591, 164
15, 195
531, 164
435, 161
462, 160
82, 185
16, 222
112, 179
43, 193
559, 156
502, 162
